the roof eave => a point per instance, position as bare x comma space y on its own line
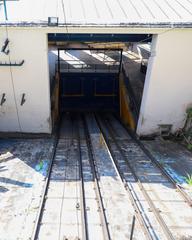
101, 25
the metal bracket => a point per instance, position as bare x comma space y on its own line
3, 99
5, 64
132, 228
23, 100
3, 49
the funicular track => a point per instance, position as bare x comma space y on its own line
130, 170
93, 165
140, 214
74, 162
182, 193
79, 138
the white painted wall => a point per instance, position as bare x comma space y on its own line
32, 79
167, 92
168, 84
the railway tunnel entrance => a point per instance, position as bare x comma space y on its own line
91, 73
89, 79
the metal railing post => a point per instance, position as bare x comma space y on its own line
132, 228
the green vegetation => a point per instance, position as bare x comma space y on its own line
189, 112
189, 146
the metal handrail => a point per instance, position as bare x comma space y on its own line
95, 67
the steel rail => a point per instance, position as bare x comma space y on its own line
85, 234
45, 189
93, 165
138, 212
159, 218
185, 196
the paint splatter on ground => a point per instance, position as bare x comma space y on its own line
23, 167
42, 167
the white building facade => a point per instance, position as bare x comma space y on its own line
25, 90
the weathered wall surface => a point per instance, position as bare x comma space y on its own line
32, 79
168, 84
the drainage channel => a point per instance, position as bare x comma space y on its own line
164, 208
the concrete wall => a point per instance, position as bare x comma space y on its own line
168, 84
31, 79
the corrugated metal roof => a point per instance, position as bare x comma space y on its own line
100, 12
